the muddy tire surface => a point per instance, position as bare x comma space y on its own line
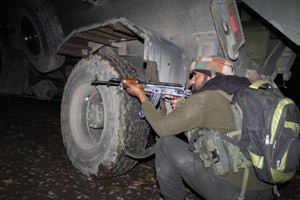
40, 33
95, 119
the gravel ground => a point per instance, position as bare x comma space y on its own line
34, 164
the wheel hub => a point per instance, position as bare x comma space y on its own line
95, 116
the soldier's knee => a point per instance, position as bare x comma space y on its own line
164, 143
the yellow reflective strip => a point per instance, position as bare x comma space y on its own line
276, 116
281, 176
283, 162
257, 161
292, 125
259, 83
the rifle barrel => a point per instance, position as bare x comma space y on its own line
107, 83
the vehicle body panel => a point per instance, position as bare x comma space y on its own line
284, 15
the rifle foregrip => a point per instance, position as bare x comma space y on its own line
132, 81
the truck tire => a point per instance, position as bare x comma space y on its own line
40, 34
94, 119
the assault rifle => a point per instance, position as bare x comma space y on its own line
157, 90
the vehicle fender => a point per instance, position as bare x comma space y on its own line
170, 59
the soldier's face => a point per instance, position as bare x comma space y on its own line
197, 81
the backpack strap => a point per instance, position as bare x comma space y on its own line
276, 192
229, 137
224, 94
236, 111
244, 183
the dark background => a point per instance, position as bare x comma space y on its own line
292, 89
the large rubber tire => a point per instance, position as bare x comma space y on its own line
40, 34
94, 119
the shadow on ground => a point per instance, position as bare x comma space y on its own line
34, 164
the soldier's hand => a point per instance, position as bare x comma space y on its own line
173, 100
135, 91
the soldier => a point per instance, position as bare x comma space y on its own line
206, 108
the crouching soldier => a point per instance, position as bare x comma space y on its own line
175, 163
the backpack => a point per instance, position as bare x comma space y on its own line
270, 132
267, 137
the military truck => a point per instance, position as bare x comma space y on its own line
67, 44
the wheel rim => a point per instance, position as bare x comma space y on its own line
30, 36
88, 127
95, 115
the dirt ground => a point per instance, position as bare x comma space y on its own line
34, 164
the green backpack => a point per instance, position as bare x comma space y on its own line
267, 137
